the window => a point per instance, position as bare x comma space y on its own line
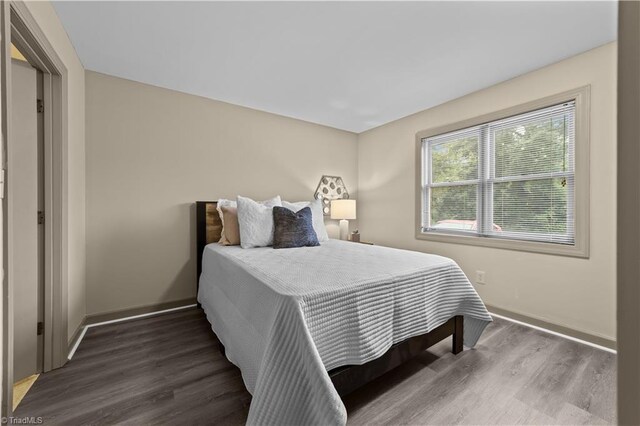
505, 181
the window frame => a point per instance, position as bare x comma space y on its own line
580, 248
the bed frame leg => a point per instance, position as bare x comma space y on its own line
458, 331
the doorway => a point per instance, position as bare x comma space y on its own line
19, 27
27, 147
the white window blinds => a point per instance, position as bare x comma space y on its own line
511, 178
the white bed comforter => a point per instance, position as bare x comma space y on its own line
288, 316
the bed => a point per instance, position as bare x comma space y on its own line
309, 325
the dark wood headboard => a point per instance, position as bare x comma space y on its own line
208, 229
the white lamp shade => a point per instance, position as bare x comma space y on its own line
343, 209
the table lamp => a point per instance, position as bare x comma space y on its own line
343, 210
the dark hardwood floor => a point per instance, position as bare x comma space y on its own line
168, 370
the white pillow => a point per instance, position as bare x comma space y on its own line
256, 221
232, 203
316, 214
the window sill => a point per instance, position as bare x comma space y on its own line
577, 250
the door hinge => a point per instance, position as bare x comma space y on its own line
2, 174
40, 327
40, 217
39, 106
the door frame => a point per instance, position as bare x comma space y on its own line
628, 209
18, 25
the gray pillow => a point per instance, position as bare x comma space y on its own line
293, 229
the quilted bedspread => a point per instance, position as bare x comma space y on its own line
288, 316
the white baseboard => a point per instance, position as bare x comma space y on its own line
75, 346
148, 314
564, 336
555, 333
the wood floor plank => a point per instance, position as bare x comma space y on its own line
555, 378
595, 385
168, 370
571, 415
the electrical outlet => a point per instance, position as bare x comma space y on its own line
480, 277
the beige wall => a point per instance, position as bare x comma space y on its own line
48, 21
152, 152
575, 293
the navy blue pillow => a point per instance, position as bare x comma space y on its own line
293, 229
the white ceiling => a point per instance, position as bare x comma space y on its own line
350, 65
